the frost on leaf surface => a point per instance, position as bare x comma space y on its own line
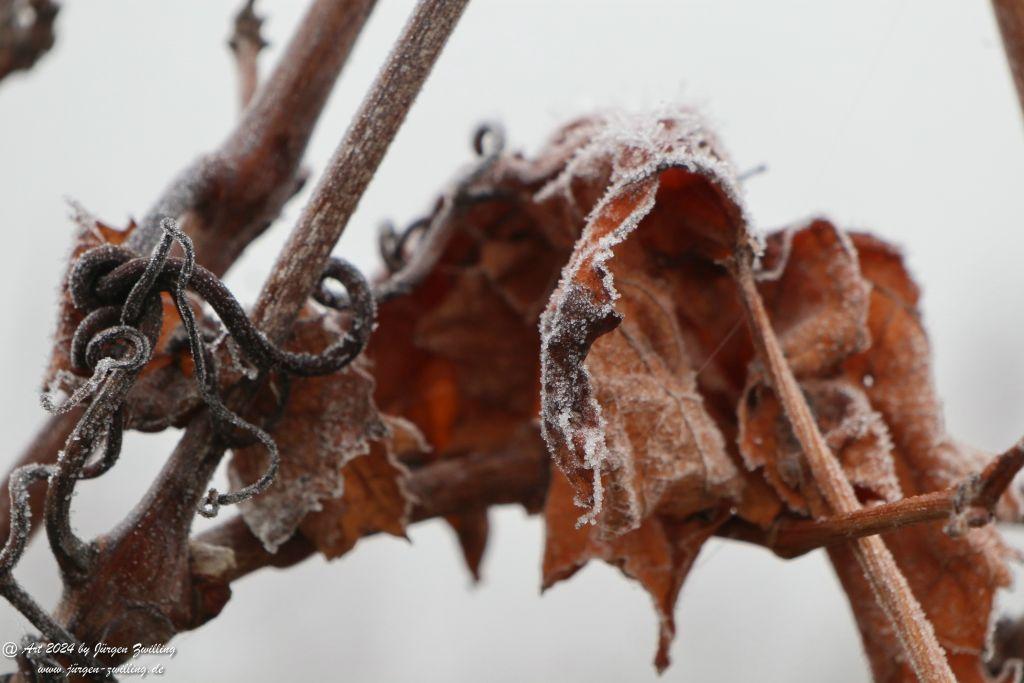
818, 303
954, 578
373, 496
329, 434
845, 311
620, 410
586, 295
646, 473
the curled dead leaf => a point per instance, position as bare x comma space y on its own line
337, 455
621, 413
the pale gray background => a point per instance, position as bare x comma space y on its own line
893, 116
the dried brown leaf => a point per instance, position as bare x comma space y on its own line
458, 356
955, 579
374, 496
643, 309
327, 424
658, 554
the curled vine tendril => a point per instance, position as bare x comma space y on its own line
119, 293
431, 233
105, 275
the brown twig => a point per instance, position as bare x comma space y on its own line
246, 42
1010, 17
890, 587
229, 196
26, 33
969, 504
476, 482
354, 163
145, 560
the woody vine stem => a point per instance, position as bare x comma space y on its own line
213, 210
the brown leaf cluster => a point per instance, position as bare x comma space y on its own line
584, 307
661, 423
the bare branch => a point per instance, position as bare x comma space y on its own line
1010, 16
892, 592
970, 504
246, 43
26, 33
227, 198
354, 163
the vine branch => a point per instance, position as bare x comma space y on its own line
228, 197
246, 43
1010, 17
145, 560
890, 587
354, 163
26, 33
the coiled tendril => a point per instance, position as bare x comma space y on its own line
117, 289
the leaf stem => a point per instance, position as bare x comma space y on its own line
974, 501
890, 587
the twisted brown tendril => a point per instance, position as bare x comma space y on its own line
119, 293
108, 274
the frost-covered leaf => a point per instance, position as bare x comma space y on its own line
845, 310
955, 579
855, 434
374, 497
644, 307
658, 554
327, 422
458, 356
649, 386
817, 299
818, 304
621, 412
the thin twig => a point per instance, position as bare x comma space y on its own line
890, 587
227, 198
1010, 16
26, 33
969, 504
246, 42
231, 195
354, 164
